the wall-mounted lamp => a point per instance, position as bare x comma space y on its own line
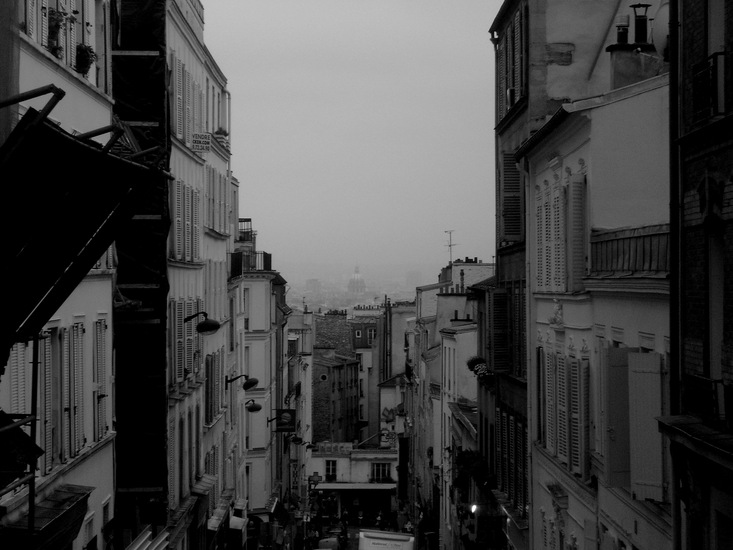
207, 326
249, 383
294, 439
252, 407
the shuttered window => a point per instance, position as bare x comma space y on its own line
645, 404
561, 399
19, 379
100, 394
172, 486
77, 388
46, 423
615, 420
550, 402
512, 222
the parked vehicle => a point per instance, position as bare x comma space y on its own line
371, 539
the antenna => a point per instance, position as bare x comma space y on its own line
450, 244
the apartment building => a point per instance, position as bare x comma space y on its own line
701, 400
57, 388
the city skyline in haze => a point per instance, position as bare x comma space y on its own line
362, 132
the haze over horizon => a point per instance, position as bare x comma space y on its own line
361, 131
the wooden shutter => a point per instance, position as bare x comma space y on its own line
209, 407
505, 473
172, 487
548, 238
511, 200
198, 360
46, 407
499, 328
579, 412
178, 68
558, 238
616, 407
77, 347
30, 20
66, 396
187, 222
101, 378
563, 439
44, 23
501, 79
517, 46
512, 463
180, 344
497, 447
539, 238
645, 404
188, 105
72, 35
576, 232
178, 251
18, 379
190, 333
196, 226
550, 411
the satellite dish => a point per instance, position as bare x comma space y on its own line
660, 32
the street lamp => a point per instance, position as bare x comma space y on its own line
249, 383
252, 406
207, 326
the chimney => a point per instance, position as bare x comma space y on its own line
632, 63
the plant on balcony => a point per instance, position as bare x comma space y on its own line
85, 57
478, 366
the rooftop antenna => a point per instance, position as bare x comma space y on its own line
450, 244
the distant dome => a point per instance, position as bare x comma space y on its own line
356, 283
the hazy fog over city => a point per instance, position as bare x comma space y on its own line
362, 132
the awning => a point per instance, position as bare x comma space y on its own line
342, 486
67, 199
57, 521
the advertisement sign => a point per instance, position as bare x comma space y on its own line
284, 420
201, 142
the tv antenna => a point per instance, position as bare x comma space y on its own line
450, 244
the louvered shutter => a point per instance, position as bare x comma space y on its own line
178, 244
616, 407
499, 328
18, 379
517, 84
187, 221
78, 387
505, 473
180, 344
217, 381
539, 238
558, 238
199, 341
550, 411
579, 410
66, 396
46, 403
72, 35
548, 237
101, 405
497, 447
645, 404
190, 333
511, 200
501, 79
576, 232
188, 107
44, 23
209, 406
512, 462
172, 487
178, 67
30, 22
196, 226
562, 408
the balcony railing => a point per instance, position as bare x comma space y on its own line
245, 232
245, 261
641, 251
708, 88
709, 399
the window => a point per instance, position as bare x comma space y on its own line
511, 64
566, 402
381, 471
186, 344
331, 470
186, 224
100, 393
560, 234
371, 335
358, 333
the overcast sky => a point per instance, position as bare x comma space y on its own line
362, 130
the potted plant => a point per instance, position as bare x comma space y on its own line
56, 18
85, 56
